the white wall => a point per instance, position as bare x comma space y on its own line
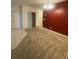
25, 12
15, 17
17, 22
39, 18
39, 14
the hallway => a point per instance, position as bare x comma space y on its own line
39, 29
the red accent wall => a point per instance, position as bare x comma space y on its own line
57, 19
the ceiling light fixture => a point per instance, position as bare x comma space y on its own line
48, 6
45, 6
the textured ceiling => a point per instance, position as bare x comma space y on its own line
33, 3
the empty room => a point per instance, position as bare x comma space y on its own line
39, 29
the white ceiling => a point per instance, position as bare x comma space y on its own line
34, 3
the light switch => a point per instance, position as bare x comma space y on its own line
50, 27
44, 15
44, 19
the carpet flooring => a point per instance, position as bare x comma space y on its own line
41, 43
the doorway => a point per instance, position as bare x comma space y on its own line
31, 20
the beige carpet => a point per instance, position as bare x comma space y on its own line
41, 43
